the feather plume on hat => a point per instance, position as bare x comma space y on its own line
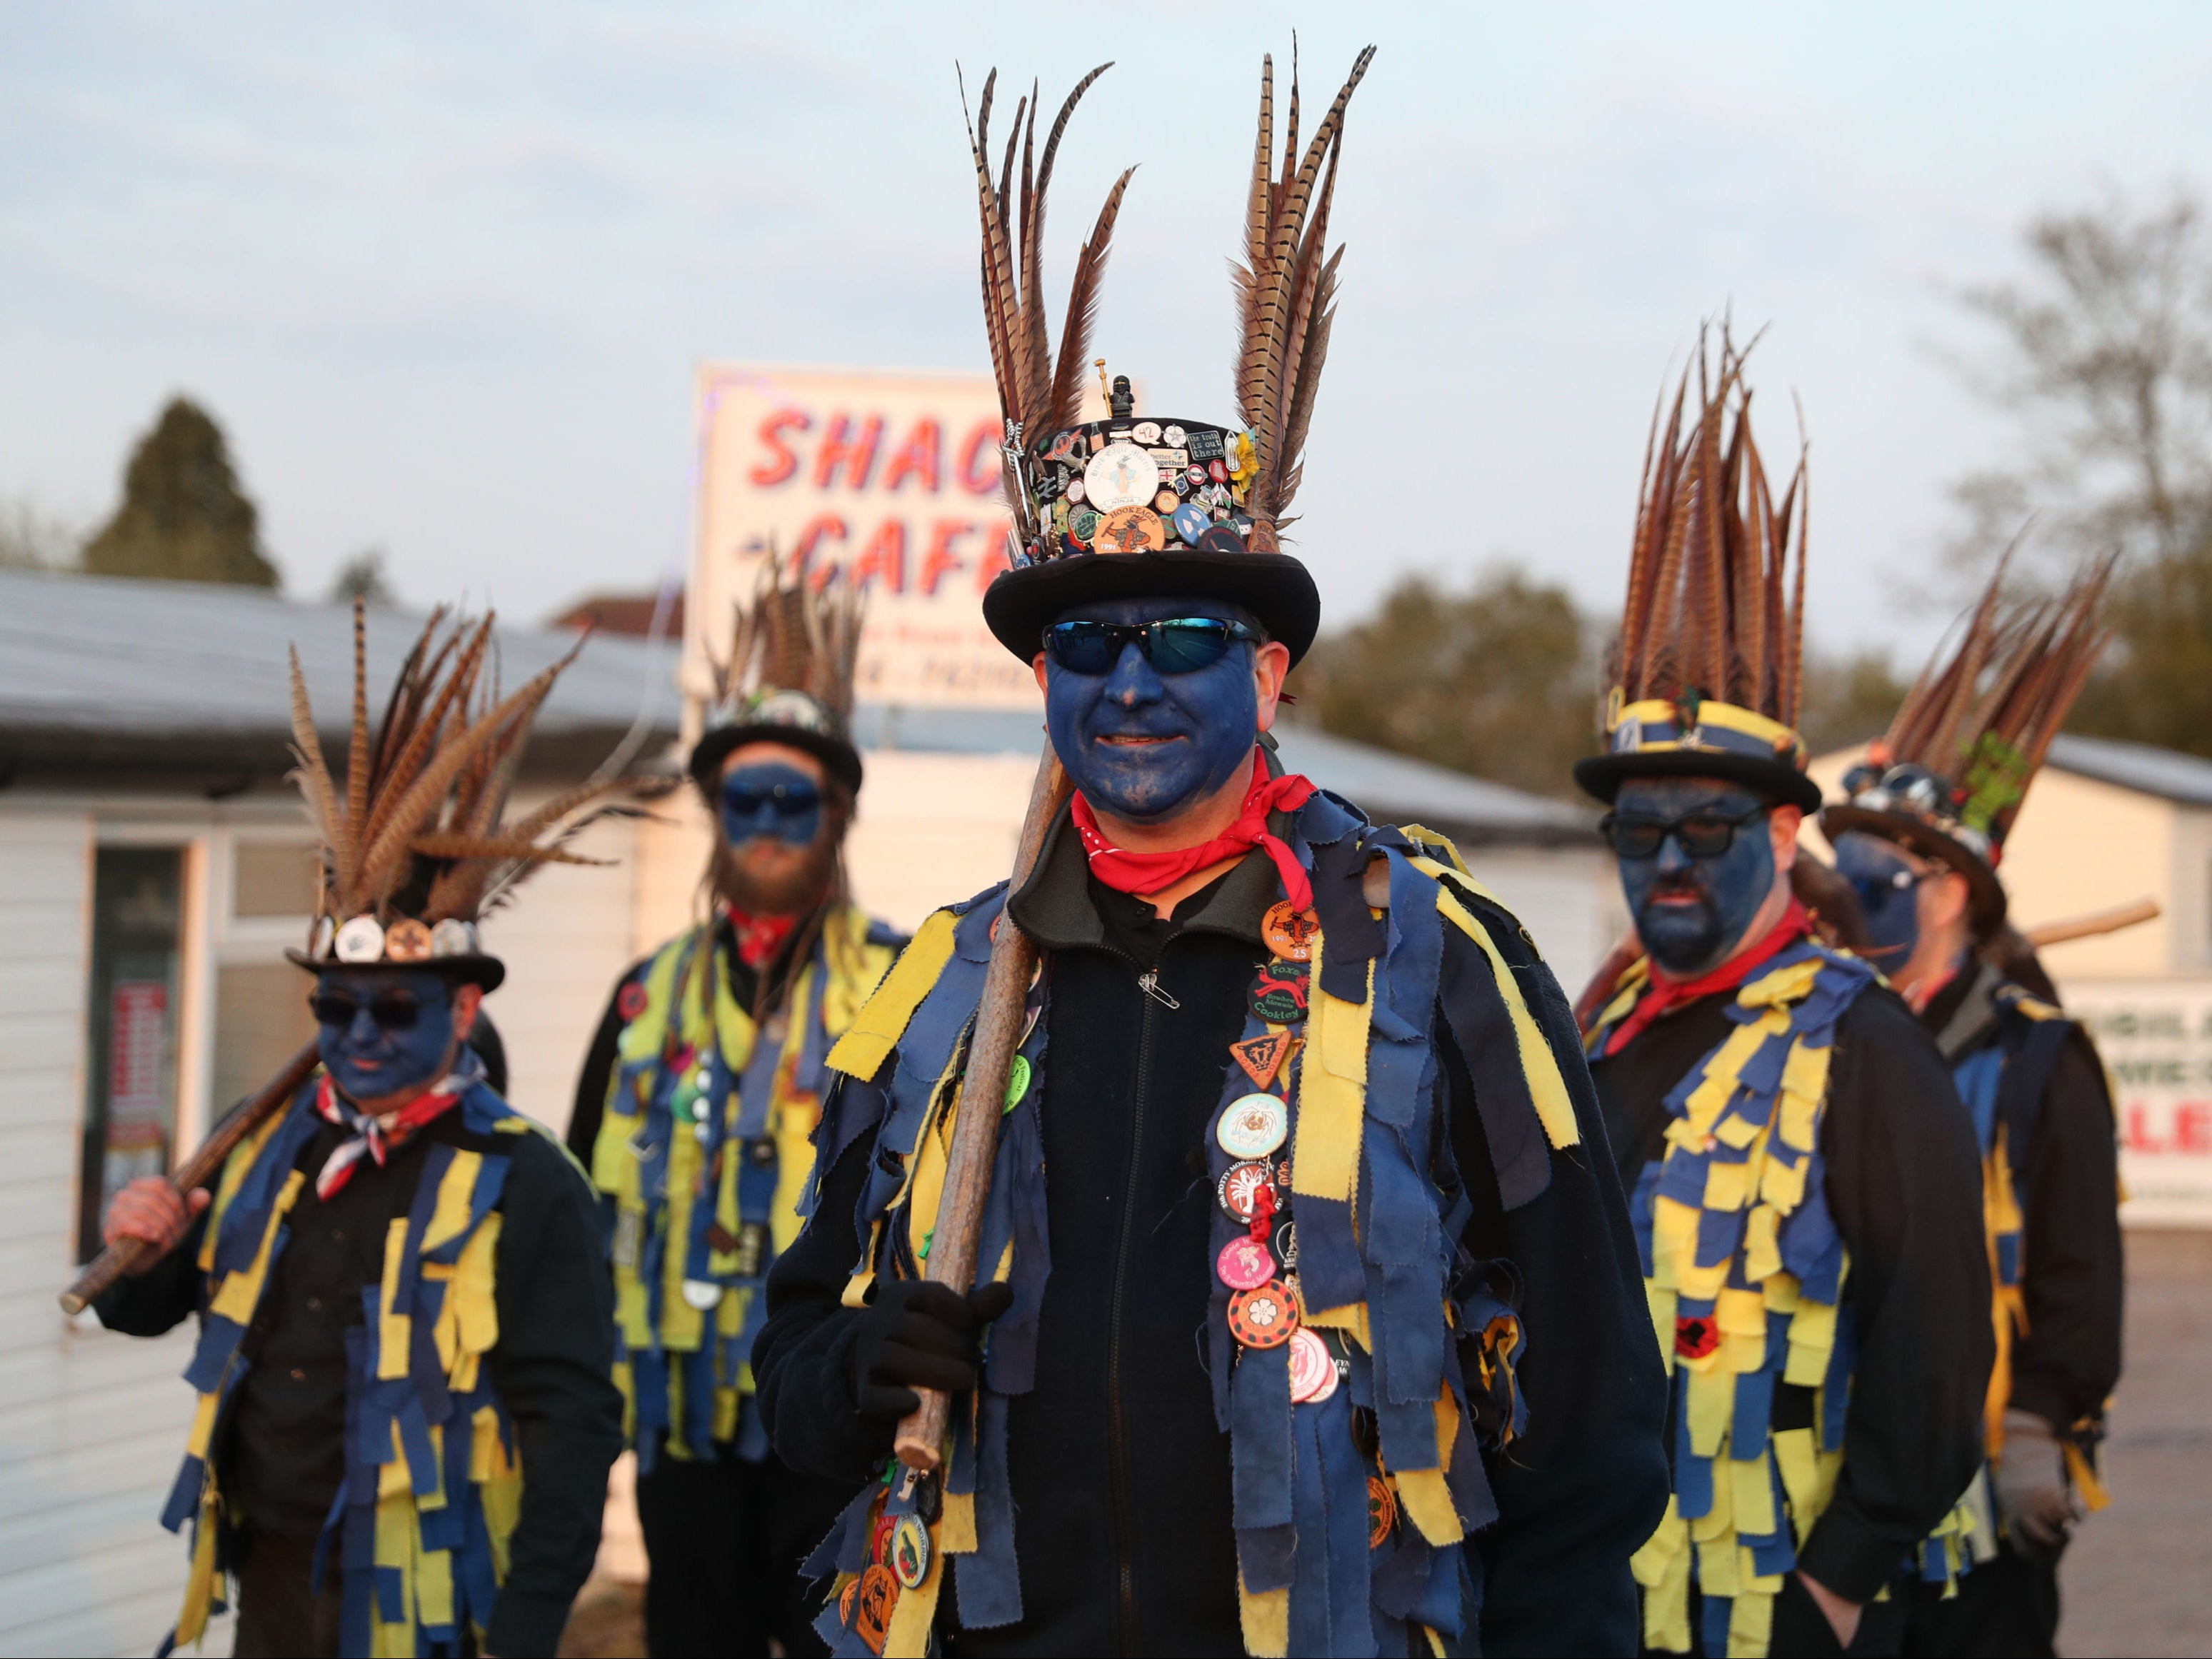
418, 833
789, 679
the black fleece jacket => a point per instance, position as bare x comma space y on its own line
282, 1455
1121, 1479
2073, 1271
1904, 1185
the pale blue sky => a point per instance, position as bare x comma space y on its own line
444, 271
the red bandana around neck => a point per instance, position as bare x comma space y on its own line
1150, 872
759, 937
379, 1137
1668, 993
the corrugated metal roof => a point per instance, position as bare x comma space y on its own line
1390, 787
108, 656
2165, 772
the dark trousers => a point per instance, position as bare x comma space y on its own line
724, 1539
1802, 1630
279, 1615
2006, 1606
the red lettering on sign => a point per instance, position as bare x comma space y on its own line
993, 558
855, 455
781, 461
2139, 1138
941, 561
979, 459
885, 557
817, 531
2192, 1127
916, 457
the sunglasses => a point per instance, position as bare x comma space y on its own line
1700, 835
785, 800
1177, 645
390, 1013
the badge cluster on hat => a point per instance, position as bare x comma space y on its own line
1125, 485
414, 848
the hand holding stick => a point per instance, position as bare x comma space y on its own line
920, 1442
198, 1171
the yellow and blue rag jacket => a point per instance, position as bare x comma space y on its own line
700, 1157
432, 1482
2002, 1078
1377, 1241
1744, 1270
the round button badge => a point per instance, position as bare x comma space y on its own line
1264, 1316
909, 1552
1131, 530
1313, 1368
1239, 1189
1121, 475
1289, 932
1245, 1264
360, 939
871, 1608
407, 940
1146, 432
1254, 1126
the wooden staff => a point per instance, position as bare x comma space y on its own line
111, 1263
2096, 922
921, 1443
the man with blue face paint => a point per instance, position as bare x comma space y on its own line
1302, 1320
1920, 832
400, 1254
1802, 1178
694, 1111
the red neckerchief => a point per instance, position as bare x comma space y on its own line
1150, 872
1666, 993
759, 937
378, 1137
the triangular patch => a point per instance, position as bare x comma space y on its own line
1262, 1057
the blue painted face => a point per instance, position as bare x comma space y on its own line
368, 1061
1889, 896
770, 801
1692, 914
1145, 746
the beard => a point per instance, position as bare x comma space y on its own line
763, 877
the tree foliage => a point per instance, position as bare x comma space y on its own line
183, 517
2105, 359
1497, 681
363, 577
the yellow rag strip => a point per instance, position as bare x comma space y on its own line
883, 1018
1546, 1087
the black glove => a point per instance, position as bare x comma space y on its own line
916, 1334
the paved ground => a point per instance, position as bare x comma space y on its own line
2136, 1578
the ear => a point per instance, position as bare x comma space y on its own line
1782, 826
1948, 899
1271, 666
1037, 666
467, 999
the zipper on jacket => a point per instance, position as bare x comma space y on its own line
1126, 1618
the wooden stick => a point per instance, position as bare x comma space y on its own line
197, 1170
921, 1443
2096, 922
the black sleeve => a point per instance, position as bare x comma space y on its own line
802, 1358
161, 1298
599, 1071
1583, 1488
553, 1368
2065, 1367
1904, 1184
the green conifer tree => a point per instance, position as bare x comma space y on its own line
183, 517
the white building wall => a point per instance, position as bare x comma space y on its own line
91, 1424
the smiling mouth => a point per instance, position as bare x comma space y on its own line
1133, 740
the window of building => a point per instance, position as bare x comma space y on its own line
131, 1077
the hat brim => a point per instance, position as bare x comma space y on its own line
1985, 895
838, 757
1601, 775
473, 970
1275, 588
